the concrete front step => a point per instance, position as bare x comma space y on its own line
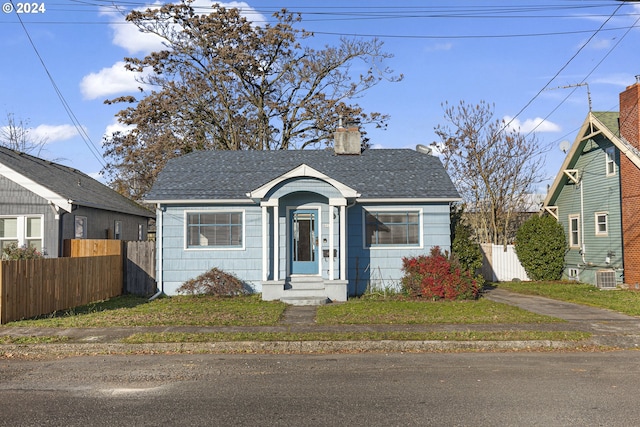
305, 300
305, 283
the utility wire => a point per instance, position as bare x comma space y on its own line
562, 69
587, 76
81, 131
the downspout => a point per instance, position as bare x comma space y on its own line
583, 248
159, 280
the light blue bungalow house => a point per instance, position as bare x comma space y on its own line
300, 225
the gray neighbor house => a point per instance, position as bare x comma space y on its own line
42, 203
298, 225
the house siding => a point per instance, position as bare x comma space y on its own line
181, 264
381, 268
599, 193
24, 202
101, 223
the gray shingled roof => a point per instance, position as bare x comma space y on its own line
375, 174
70, 183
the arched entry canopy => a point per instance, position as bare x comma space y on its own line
299, 237
303, 170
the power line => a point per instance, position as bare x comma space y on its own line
561, 69
81, 131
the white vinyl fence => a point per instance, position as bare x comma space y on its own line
500, 265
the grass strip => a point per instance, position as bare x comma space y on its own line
48, 339
178, 337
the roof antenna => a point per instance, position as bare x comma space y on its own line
578, 85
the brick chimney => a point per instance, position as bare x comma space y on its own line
347, 141
629, 123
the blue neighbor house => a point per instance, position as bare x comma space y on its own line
301, 225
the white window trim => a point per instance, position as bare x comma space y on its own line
577, 218
21, 229
214, 248
610, 158
574, 274
606, 223
366, 209
84, 228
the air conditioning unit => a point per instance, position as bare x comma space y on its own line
606, 279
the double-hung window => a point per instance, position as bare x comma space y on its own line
214, 229
397, 228
574, 231
8, 231
602, 223
610, 156
21, 230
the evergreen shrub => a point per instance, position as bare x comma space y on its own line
541, 246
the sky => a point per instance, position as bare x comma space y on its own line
540, 63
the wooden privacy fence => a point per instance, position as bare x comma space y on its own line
139, 259
140, 268
33, 287
92, 247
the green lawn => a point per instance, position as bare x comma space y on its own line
175, 311
623, 301
252, 311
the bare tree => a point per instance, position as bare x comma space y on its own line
16, 135
225, 83
494, 168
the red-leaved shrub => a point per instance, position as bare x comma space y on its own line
437, 276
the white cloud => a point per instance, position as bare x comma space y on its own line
97, 176
617, 79
134, 41
439, 47
116, 126
116, 79
601, 44
109, 81
50, 133
529, 125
